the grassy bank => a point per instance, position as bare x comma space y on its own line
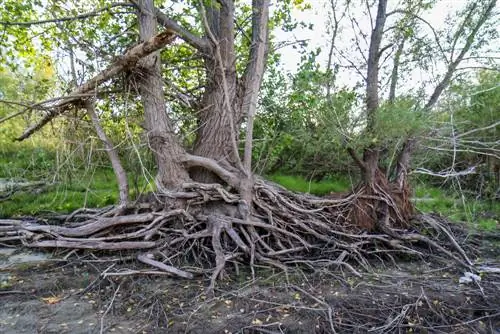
68, 185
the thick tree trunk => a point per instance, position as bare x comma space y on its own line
220, 116
370, 161
161, 138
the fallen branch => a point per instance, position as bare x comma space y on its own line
169, 269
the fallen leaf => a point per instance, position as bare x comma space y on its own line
51, 300
256, 321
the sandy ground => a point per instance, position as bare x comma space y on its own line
40, 293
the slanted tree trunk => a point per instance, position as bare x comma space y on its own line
160, 133
404, 159
121, 175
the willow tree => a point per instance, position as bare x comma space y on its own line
208, 208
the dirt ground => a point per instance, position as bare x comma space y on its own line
43, 293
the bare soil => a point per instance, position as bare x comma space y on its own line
87, 295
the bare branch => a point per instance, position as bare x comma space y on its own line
491, 126
254, 72
434, 32
446, 174
454, 64
160, 265
18, 113
335, 23
121, 175
197, 42
410, 144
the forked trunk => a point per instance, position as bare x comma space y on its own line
216, 134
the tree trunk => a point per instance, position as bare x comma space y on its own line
220, 116
161, 137
395, 70
371, 154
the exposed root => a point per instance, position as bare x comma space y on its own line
205, 227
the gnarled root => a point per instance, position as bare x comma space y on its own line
205, 227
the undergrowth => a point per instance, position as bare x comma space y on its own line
70, 187
67, 186
482, 214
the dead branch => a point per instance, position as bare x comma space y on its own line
127, 61
175, 271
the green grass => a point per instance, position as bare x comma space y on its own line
68, 189
95, 190
78, 187
299, 184
478, 213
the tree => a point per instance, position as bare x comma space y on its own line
389, 191
209, 207
465, 148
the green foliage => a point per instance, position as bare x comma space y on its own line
400, 119
337, 184
299, 129
479, 214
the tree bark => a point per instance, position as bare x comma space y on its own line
220, 116
160, 134
372, 153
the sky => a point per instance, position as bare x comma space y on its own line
319, 37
